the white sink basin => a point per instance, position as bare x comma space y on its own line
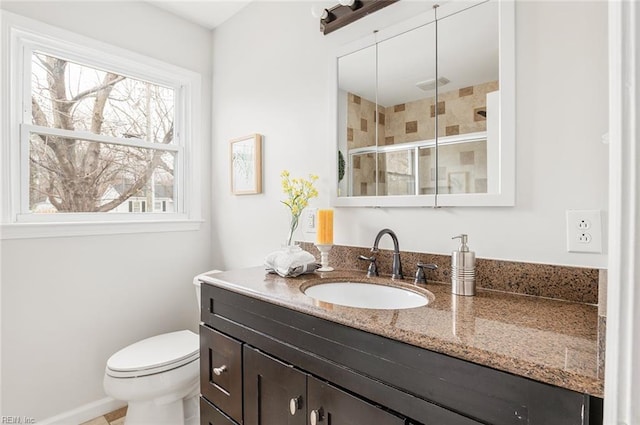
366, 295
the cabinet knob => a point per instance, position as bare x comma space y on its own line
295, 404
316, 416
220, 370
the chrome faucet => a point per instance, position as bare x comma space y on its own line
396, 267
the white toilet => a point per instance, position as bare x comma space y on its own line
158, 377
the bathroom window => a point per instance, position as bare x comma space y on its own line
97, 139
99, 134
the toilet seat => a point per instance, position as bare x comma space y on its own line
154, 355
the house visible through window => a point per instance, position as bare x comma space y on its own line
98, 141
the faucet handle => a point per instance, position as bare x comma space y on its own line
373, 267
420, 276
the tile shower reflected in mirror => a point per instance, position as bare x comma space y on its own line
414, 125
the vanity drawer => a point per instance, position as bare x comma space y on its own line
209, 415
221, 371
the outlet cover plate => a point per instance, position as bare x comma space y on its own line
584, 231
309, 217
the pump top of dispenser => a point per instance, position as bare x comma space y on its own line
463, 242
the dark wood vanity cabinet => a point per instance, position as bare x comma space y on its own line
279, 394
273, 392
290, 368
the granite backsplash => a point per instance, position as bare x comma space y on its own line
575, 284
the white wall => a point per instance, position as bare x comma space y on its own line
270, 76
69, 303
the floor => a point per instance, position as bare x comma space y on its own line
113, 418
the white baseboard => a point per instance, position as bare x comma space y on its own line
85, 413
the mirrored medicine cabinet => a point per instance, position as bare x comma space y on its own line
425, 111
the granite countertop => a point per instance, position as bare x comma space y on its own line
543, 339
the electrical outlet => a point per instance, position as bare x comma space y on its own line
310, 220
583, 224
584, 238
584, 231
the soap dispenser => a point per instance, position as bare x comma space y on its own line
463, 269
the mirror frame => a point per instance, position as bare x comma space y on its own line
507, 128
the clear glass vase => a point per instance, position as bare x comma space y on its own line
293, 225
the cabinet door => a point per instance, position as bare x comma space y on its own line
331, 406
274, 392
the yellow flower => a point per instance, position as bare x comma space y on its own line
299, 191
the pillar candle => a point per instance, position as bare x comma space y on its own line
325, 227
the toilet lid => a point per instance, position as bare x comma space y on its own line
154, 355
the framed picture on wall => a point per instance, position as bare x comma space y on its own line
246, 165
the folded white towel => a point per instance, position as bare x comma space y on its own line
290, 263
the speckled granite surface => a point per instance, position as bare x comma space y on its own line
547, 340
542, 280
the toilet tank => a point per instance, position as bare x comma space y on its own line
197, 283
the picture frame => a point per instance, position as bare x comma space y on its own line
245, 155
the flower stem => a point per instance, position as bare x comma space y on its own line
292, 228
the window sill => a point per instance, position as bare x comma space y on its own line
56, 230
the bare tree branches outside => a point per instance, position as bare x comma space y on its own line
101, 142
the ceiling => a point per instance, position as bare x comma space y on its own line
206, 13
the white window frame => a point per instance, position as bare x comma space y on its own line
20, 37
